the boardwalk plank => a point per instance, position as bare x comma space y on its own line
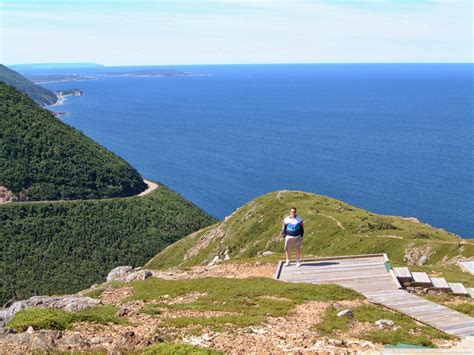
402, 273
421, 278
440, 283
458, 289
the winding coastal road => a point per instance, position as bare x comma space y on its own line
152, 186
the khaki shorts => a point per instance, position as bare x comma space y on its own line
291, 243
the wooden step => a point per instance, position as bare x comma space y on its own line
421, 278
402, 273
440, 283
458, 289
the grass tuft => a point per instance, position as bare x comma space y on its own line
151, 309
47, 318
179, 349
332, 323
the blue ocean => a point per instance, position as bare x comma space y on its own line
395, 139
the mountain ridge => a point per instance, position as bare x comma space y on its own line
39, 94
43, 158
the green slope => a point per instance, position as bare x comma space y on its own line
38, 93
61, 247
332, 227
44, 159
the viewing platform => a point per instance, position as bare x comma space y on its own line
373, 276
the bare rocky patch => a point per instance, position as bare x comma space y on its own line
6, 195
229, 270
295, 333
417, 255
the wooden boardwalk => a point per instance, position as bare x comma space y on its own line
371, 276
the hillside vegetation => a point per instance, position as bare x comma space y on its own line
332, 227
36, 92
42, 158
61, 247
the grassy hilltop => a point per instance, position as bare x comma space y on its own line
332, 227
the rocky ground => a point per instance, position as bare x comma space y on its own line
293, 334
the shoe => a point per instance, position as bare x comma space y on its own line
287, 263
298, 264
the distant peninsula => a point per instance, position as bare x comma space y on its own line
70, 92
62, 94
57, 78
154, 73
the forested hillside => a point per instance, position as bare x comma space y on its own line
42, 158
38, 93
61, 247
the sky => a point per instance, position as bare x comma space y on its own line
149, 32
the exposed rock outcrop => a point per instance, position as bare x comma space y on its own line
417, 255
67, 303
128, 274
6, 195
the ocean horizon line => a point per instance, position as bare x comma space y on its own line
234, 64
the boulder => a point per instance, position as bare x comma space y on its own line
387, 324
127, 340
267, 253
336, 342
72, 341
138, 275
98, 340
346, 313
128, 274
43, 340
227, 254
214, 261
119, 273
122, 312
